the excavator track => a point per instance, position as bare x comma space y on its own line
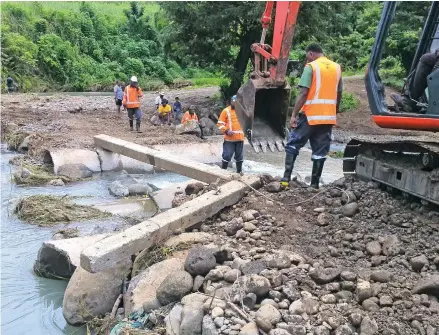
409, 164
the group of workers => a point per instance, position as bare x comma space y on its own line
313, 117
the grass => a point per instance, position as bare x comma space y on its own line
349, 102
336, 154
208, 82
48, 210
39, 175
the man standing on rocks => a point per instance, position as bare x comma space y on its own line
314, 113
131, 100
158, 100
233, 144
118, 95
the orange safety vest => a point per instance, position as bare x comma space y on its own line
188, 117
321, 101
131, 97
229, 121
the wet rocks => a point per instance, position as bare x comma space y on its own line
174, 287
200, 261
139, 189
75, 171
117, 189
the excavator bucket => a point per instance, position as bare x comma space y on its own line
262, 110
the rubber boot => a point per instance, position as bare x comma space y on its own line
224, 165
131, 125
289, 165
317, 168
138, 126
239, 167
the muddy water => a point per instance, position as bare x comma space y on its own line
30, 304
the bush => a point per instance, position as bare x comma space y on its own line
349, 102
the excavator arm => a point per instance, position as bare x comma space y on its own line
262, 103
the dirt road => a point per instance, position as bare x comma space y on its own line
71, 121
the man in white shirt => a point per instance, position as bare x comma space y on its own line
158, 100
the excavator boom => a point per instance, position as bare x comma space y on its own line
262, 103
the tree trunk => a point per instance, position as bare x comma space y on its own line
241, 62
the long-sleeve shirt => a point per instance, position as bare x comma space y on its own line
228, 122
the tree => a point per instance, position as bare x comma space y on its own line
213, 33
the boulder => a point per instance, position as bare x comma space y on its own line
253, 267
118, 190
418, 262
200, 261
90, 295
428, 285
270, 313
139, 189
254, 284
60, 258
249, 329
174, 287
194, 188
190, 127
192, 320
142, 290
173, 320
208, 326
350, 209
75, 171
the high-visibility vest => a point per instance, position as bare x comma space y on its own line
188, 117
321, 101
229, 121
131, 97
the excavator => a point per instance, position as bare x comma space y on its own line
409, 164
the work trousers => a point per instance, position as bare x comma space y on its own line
134, 112
418, 83
233, 148
319, 137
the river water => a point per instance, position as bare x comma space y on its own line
33, 305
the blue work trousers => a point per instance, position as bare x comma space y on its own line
233, 148
134, 111
319, 137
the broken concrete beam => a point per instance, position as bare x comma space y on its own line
163, 160
107, 252
58, 259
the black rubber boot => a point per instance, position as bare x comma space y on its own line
239, 167
224, 165
317, 168
138, 126
289, 165
131, 125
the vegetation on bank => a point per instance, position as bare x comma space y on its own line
86, 46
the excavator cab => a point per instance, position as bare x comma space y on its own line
262, 103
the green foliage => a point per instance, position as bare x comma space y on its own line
349, 102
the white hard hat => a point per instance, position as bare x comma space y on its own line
161, 93
134, 79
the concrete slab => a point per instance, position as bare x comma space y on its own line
163, 160
106, 253
163, 198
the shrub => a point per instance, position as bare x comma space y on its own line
349, 102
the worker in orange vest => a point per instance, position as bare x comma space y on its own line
314, 113
131, 101
233, 144
190, 115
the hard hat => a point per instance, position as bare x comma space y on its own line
192, 108
161, 93
234, 98
134, 79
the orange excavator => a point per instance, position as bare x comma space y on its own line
407, 163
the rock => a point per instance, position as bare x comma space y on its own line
179, 199
248, 226
217, 312
373, 248
194, 299
90, 295
249, 215
350, 209
343, 330
256, 235
194, 188
56, 182
386, 301
60, 258
310, 306
232, 275
232, 227
389, 244
253, 267
296, 307
418, 262
223, 255
264, 324
324, 276
355, 319
321, 330
198, 282
219, 322
368, 326
370, 306
75, 171
348, 276
200, 261
364, 290
192, 320
249, 329
279, 261
428, 285
381, 276
215, 275
187, 238
282, 332
254, 284
118, 190
142, 290
190, 127
270, 302
273, 187
270, 313
250, 300
344, 295
208, 326
323, 219
328, 299
174, 287
139, 189
173, 320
